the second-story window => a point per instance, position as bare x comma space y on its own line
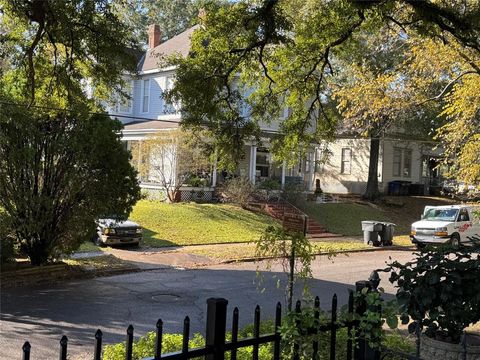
124, 102
168, 107
346, 161
145, 95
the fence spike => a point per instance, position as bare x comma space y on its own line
296, 345
333, 331
97, 354
233, 355
316, 326
298, 306
63, 347
129, 344
278, 323
256, 332
158, 339
26, 350
350, 326
186, 334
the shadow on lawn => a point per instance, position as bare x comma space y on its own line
150, 240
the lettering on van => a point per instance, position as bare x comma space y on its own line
464, 227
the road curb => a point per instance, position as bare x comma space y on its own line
333, 253
82, 273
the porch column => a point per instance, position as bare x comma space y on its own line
139, 161
284, 166
214, 174
311, 180
253, 163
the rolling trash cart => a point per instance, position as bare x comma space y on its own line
378, 233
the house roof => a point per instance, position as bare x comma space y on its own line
179, 44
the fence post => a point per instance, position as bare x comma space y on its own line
216, 328
26, 350
364, 350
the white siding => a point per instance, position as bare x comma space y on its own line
331, 178
418, 149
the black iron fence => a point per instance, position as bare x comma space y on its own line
216, 344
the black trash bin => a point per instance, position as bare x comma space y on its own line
370, 232
386, 233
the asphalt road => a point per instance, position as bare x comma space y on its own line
42, 314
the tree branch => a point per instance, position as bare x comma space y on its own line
447, 87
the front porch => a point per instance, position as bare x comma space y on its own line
257, 165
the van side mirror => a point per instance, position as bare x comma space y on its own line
422, 216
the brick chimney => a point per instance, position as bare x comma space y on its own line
154, 36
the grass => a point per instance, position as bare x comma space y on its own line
99, 263
194, 224
344, 218
237, 252
88, 246
187, 224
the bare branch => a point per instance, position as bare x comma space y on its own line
447, 87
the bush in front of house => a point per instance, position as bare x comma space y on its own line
239, 190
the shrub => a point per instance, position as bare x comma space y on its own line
291, 331
440, 290
58, 173
7, 241
239, 190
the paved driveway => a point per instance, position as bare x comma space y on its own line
42, 314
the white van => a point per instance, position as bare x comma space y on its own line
452, 224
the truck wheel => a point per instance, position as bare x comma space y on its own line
97, 241
455, 241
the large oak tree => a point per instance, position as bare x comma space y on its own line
286, 51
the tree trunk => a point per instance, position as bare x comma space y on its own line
372, 192
37, 252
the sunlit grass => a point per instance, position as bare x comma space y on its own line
193, 224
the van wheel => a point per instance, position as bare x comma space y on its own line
455, 241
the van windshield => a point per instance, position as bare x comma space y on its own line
441, 214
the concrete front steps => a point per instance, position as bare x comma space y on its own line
315, 230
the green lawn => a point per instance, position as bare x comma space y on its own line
194, 224
344, 218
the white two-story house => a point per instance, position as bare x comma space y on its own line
344, 170
147, 113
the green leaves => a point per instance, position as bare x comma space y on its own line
439, 290
58, 174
